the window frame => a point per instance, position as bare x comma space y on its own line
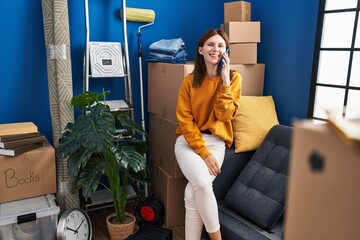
317, 52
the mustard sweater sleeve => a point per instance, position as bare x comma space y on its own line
228, 99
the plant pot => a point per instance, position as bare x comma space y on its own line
120, 231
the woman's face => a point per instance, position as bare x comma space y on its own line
213, 49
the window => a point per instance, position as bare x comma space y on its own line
336, 70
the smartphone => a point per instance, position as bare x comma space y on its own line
222, 61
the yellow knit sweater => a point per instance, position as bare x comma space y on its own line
211, 106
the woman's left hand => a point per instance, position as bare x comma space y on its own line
213, 165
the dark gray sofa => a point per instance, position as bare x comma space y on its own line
251, 189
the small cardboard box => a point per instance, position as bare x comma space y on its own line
243, 53
242, 32
31, 218
252, 78
164, 81
239, 11
170, 192
161, 147
28, 175
323, 189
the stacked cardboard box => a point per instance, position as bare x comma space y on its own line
244, 36
27, 162
168, 182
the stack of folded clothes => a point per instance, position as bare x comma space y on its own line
167, 50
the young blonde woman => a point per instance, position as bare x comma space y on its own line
208, 100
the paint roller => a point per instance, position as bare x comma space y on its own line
139, 15
146, 16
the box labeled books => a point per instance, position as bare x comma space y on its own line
30, 174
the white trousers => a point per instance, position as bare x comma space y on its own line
200, 202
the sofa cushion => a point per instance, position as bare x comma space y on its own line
233, 164
259, 191
256, 116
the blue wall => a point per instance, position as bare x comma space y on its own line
287, 42
288, 31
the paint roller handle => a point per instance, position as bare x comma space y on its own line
139, 44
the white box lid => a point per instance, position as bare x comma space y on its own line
43, 206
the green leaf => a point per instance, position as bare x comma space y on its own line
128, 157
95, 131
89, 180
85, 100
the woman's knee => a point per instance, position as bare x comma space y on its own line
189, 195
203, 186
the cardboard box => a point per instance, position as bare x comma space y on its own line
237, 11
323, 197
242, 32
243, 53
31, 218
28, 175
164, 81
252, 78
161, 144
170, 192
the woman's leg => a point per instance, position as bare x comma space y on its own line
200, 202
193, 222
216, 235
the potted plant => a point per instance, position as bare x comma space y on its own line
94, 147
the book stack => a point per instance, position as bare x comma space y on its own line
18, 138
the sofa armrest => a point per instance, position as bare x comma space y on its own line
233, 164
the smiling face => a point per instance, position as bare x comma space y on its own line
208, 54
213, 49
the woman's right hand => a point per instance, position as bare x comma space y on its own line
213, 165
225, 71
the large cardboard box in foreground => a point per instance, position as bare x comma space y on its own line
161, 147
323, 197
164, 81
30, 174
170, 192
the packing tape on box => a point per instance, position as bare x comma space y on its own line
57, 51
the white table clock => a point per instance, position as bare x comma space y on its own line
74, 224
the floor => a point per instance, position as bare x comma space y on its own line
100, 232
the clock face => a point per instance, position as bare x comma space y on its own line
74, 224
